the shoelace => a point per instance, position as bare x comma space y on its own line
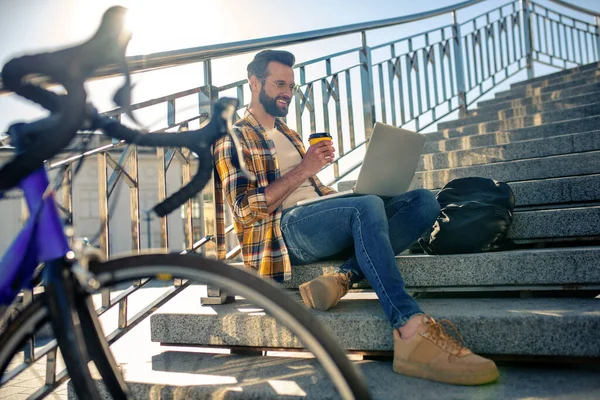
344, 283
440, 336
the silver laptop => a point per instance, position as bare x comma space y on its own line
389, 166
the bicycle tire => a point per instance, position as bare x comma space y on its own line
33, 317
30, 319
265, 294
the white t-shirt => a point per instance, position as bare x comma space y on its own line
288, 158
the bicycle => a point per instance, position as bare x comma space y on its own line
70, 279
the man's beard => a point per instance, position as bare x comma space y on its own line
270, 104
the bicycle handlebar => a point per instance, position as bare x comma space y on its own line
199, 141
71, 67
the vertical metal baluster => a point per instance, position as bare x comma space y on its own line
573, 44
134, 204
526, 27
350, 110
539, 35
554, 53
325, 98
566, 38
382, 93
494, 48
507, 41
481, 36
326, 95
474, 39
597, 29
512, 32
409, 81
487, 44
103, 210
299, 105
520, 36
587, 46
29, 345
426, 60
560, 46
391, 75
398, 64
163, 223
67, 194
210, 189
580, 48
468, 59
453, 90
442, 68
500, 30
338, 115
433, 62
51, 367
366, 81
311, 107
459, 68
186, 177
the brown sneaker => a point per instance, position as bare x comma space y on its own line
433, 354
325, 291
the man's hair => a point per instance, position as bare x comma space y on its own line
258, 66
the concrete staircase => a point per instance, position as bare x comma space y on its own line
537, 301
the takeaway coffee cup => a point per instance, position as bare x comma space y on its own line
317, 137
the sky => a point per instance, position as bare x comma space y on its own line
28, 26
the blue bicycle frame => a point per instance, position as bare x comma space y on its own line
42, 239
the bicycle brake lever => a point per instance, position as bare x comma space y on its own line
227, 115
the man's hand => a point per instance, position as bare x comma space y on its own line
317, 156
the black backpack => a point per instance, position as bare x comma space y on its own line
475, 216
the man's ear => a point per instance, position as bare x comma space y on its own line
254, 82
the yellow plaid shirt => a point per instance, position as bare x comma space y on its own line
258, 232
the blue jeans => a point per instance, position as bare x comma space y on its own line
370, 231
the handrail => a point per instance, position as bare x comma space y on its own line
172, 58
576, 8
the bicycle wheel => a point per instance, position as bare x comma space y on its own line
18, 332
344, 375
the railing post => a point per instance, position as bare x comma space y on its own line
214, 294
366, 83
459, 69
526, 26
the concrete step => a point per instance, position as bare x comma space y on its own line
536, 327
486, 114
572, 71
555, 223
556, 191
559, 79
539, 269
577, 164
189, 375
519, 93
543, 147
545, 192
186, 374
537, 119
561, 127
436, 145
554, 95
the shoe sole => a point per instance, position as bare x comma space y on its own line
459, 378
307, 291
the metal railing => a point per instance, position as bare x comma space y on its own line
413, 81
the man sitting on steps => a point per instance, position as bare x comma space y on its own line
274, 233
